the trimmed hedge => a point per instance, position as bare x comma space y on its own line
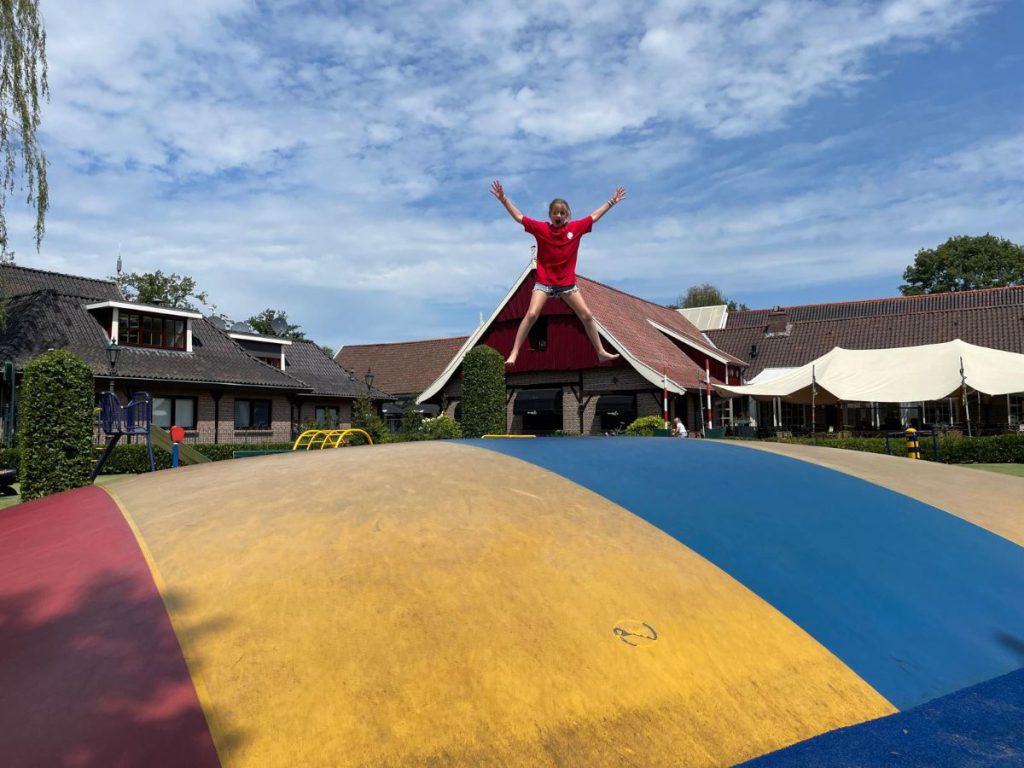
133, 459
483, 393
57, 405
222, 451
996, 449
645, 426
953, 449
865, 444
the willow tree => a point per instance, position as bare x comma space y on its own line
23, 87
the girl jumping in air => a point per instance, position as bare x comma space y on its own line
558, 244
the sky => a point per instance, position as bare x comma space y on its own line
332, 159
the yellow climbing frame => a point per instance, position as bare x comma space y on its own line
327, 438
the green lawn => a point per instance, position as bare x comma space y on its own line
10, 501
1017, 470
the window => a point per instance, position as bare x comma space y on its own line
541, 423
793, 414
616, 411
272, 361
939, 412
168, 411
136, 330
910, 411
252, 414
326, 416
539, 334
721, 408
541, 410
860, 415
1016, 409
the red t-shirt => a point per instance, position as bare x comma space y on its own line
557, 248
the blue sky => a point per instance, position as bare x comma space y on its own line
332, 159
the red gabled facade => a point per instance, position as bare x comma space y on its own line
567, 345
628, 322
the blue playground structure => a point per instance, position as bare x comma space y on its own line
135, 418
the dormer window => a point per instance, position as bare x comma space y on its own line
269, 349
141, 325
135, 329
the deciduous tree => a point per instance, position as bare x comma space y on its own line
264, 323
705, 295
23, 87
171, 290
965, 263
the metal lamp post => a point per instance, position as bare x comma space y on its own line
368, 378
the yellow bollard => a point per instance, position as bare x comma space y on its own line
913, 446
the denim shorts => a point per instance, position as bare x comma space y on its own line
555, 290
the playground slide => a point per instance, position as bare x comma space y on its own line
186, 454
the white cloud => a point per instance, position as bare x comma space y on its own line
341, 157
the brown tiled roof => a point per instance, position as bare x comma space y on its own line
626, 318
892, 305
307, 362
993, 317
18, 281
47, 319
46, 310
401, 368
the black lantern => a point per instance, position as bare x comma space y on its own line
113, 352
368, 378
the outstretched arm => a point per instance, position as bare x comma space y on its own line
618, 197
498, 191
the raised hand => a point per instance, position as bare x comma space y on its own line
619, 196
499, 192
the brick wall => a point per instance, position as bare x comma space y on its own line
206, 430
603, 380
280, 420
308, 410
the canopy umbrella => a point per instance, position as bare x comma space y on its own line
897, 375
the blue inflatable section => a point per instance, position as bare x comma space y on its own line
916, 601
979, 726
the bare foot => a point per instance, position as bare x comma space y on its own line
606, 357
511, 361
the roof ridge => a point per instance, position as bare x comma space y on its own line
919, 296
395, 343
54, 292
889, 317
60, 274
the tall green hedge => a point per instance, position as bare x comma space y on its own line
57, 406
953, 449
483, 393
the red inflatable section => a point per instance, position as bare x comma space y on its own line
91, 673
